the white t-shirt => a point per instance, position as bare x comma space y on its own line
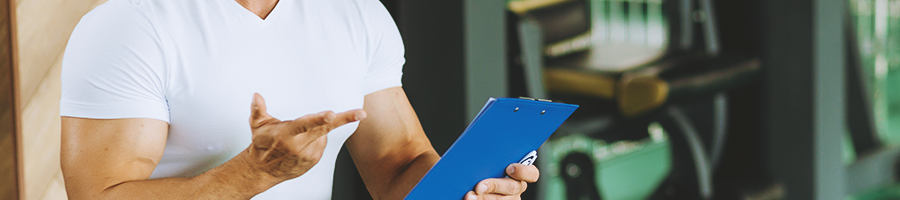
196, 64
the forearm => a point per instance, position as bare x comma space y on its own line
390, 147
407, 176
113, 158
232, 180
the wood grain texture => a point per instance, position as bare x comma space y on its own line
41, 139
43, 29
8, 152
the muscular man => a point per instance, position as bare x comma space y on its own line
156, 96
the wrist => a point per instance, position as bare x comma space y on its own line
257, 180
242, 177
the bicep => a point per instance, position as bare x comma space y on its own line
97, 154
390, 137
114, 66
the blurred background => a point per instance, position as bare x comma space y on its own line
680, 99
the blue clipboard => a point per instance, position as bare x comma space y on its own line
505, 131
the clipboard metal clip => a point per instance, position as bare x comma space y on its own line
534, 99
529, 158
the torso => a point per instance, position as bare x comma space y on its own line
306, 57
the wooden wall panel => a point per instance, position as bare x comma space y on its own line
41, 139
9, 187
43, 28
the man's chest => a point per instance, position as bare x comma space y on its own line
214, 64
318, 69
212, 77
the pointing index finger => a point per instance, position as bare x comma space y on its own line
326, 120
348, 117
344, 118
309, 122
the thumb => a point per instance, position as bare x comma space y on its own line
258, 113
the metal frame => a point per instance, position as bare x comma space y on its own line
804, 101
485, 53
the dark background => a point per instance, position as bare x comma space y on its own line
792, 115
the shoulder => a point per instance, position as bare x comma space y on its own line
117, 8
371, 12
138, 12
115, 28
345, 3
368, 6
360, 6
127, 20
117, 14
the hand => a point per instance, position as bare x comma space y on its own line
288, 149
505, 188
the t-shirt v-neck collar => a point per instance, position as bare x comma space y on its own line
248, 15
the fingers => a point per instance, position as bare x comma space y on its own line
315, 124
500, 186
321, 123
505, 188
472, 196
313, 151
527, 173
347, 117
258, 114
310, 122
259, 105
257, 110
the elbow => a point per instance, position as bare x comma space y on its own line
82, 191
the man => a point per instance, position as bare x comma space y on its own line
155, 97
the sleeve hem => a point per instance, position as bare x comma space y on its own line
377, 84
71, 109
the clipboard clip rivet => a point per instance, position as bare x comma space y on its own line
543, 111
516, 110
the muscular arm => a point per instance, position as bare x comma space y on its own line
392, 153
112, 159
390, 148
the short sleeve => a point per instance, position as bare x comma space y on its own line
114, 66
384, 48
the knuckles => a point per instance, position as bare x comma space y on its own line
288, 149
260, 122
263, 141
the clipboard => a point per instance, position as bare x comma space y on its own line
503, 132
